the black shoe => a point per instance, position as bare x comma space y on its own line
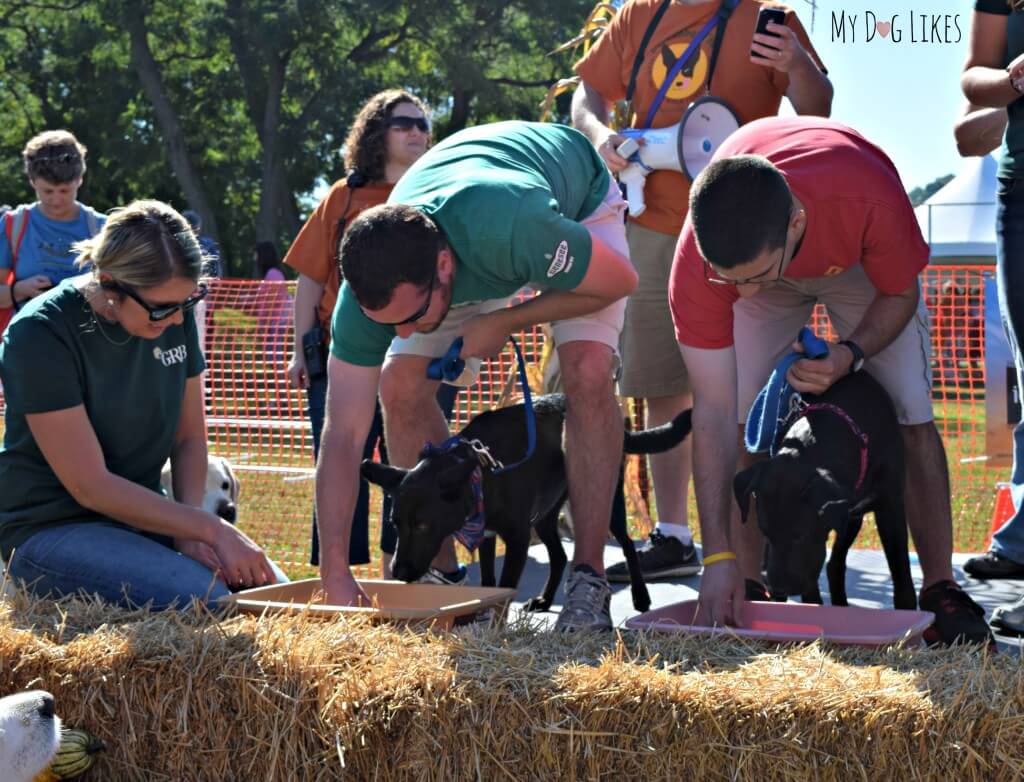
958, 619
993, 565
755, 590
661, 557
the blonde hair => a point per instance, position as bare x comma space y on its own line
141, 245
54, 155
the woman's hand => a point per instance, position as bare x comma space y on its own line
201, 553
243, 563
298, 377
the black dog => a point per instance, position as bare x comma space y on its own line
434, 498
838, 460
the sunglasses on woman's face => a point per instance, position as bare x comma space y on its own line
405, 124
158, 312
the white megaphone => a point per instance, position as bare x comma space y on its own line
686, 147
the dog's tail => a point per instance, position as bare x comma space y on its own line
660, 438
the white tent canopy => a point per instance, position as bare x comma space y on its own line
960, 219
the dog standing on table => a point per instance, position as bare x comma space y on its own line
840, 458
435, 498
29, 735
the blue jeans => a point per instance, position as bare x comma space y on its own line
1008, 540
121, 565
359, 542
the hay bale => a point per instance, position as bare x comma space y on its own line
181, 696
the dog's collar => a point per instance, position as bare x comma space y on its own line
482, 453
854, 428
472, 532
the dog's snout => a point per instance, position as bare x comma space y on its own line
228, 512
46, 706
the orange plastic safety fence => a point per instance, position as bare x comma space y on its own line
259, 422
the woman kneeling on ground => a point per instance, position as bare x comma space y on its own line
103, 383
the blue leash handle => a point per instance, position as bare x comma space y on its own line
449, 367
772, 406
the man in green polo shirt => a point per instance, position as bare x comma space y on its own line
488, 211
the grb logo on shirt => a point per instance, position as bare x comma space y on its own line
562, 260
171, 356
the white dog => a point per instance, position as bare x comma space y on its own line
29, 735
222, 488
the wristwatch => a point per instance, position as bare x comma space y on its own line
858, 355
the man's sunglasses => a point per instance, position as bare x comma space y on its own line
422, 310
163, 311
405, 124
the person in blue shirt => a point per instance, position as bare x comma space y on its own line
39, 248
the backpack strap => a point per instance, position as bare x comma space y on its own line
15, 223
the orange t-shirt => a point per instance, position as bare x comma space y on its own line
752, 91
315, 250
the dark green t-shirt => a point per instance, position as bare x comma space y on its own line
509, 197
1011, 155
55, 355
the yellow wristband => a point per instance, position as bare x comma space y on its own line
721, 556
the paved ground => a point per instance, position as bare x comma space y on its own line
868, 584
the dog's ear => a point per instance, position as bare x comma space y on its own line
383, 475
829, 498
457, 475
745, 484
236, 486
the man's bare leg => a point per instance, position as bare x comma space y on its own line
593, 445
671, 470
929, 515
412, 417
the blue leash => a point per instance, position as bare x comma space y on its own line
449, 367
774, 402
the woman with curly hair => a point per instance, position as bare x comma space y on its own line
389, 134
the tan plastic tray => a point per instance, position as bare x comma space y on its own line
392, 600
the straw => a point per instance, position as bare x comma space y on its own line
183, 696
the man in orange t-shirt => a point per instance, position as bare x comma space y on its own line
753, 87
394, 123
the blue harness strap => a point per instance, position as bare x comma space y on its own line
774, 402
450, 366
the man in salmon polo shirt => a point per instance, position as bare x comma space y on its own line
751, 73
792, 212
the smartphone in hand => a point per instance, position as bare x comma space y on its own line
764, 16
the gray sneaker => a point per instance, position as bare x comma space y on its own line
661, 557
435, 576
1009, 618
587, 603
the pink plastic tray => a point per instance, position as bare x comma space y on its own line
788, 622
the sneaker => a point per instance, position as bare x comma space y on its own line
587, 605
435, 576
958, 619
1009, 619
993, 565
661, 557
755, 590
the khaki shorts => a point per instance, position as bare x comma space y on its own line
766, 324
652, 365
603, 326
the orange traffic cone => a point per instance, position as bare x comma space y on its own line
1002, 511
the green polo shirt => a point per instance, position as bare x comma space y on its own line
509, 198
54, 356
1011, 154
